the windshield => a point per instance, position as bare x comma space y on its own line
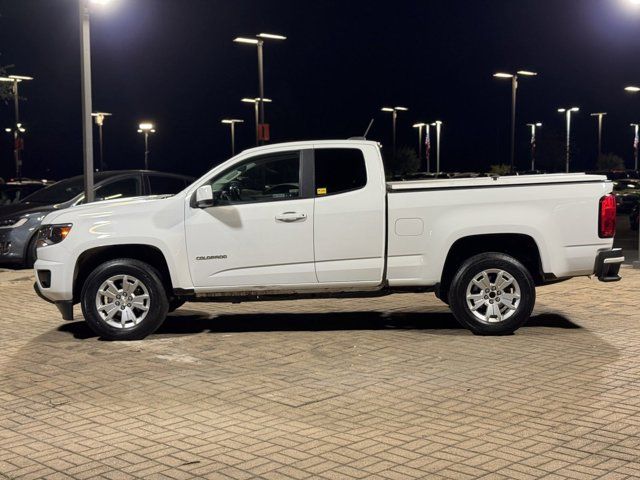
60, 192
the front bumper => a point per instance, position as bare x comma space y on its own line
13, 243
608, 264
65, 307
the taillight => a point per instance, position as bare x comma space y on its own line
607, 220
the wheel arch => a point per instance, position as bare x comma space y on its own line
522, 247
90, 259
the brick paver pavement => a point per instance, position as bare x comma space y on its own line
372, 388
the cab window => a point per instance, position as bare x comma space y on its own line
266, 178
339, 170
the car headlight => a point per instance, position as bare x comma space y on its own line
13, 222
52, 234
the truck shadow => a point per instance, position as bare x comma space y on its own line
187, 322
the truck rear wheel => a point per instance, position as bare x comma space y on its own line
492, 294
124, 299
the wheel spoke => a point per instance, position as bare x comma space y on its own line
109, 294
110, 310
482, 281
476, 297
503, 280
112, 287
139, 304
509, 298
477, 305
493, 312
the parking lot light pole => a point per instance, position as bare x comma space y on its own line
514, 93
634, 89
534, 127
18, 141
394, 115
256, 105
438, 125
99, 118
636, 144
568, 112
600, 116
258, 41
146, 129
232, 124
420, 126
85, 82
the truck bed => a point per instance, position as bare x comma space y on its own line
497, 181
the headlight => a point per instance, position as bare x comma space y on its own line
13, 222
52, 234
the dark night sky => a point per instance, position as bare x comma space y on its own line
173, 61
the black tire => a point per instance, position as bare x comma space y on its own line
150, 278
474, 267
175, 303
31, 254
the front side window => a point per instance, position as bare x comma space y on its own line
266, 178
339, 170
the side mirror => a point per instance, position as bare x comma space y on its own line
204, 197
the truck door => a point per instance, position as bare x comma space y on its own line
260, 232
349, 218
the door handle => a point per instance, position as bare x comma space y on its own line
289, 217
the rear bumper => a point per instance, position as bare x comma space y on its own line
608, 264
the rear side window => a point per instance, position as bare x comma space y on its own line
339, 170
161, 185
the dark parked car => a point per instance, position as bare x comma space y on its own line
13, 191
19, 222
627, 194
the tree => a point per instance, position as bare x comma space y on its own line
5, 87
406, 161
610, 161
501, 169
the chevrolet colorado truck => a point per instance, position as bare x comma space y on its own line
318, 219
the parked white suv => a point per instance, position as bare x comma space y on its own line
318, 219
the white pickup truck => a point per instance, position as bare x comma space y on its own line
318, 219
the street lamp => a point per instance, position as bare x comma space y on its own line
18, 141
99, 118
636, 144
232, 123
420, 126
85, 74
600, 116
394, 111
534, 127
514, 92
146, 129
256, 104
258, 41
568, 112
438, 125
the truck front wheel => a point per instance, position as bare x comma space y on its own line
492, 294
124, 299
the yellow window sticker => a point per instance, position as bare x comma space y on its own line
321, 191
